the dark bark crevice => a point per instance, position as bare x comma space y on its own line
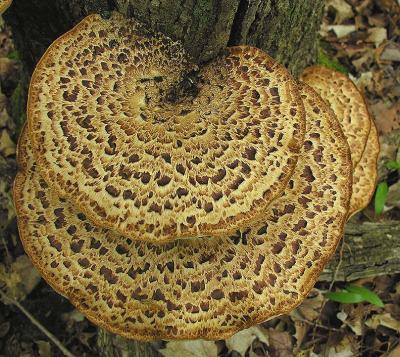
236, 31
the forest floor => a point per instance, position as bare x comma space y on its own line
359, 37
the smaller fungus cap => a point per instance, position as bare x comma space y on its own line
365, 173
144, 143
4, 5
194, 288
347, 103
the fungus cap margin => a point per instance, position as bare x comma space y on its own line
365, 174
346, 101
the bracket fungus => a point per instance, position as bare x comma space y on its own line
4, 5
349, 106
347, 103
194, 288
147, 144
365, 174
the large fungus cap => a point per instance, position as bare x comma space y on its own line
194, 288
365, 173
347, 103
143, 143
4, 5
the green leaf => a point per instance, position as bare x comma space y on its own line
326, 61
345, 297
393, 165
366, 294
380, 197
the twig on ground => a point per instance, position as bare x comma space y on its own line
315, 324
51, 337
336, 272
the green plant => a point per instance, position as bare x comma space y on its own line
393, 165
381, 194
326, 61
354, 294
382, 189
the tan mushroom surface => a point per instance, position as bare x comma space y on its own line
346, 101
147, 144
4, 5
365, 173
194, 288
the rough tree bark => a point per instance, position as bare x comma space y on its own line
286, 29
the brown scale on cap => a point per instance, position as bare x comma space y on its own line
145, 143
4, 5
347, 103
365, 174
194, 288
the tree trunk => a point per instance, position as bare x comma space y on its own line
286, 29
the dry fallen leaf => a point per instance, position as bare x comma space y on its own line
20, 279
362, 6
385, 320
310, 308
363, 81
280, 342
197, 348
301, 332
343, 349
391, 52
44, 348
4, 117
354, 316
364, 61
84, 338
7, 146
343, 10
242, 340
342, 30
387, 117
395, 352
356, 325
388, 5
378, 20
73, 316
393, 198
377, 35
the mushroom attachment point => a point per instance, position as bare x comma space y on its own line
144, 142
194, 288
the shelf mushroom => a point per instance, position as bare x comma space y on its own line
349, 106
194, 288
4, 5
365, 174
347, 103
149, 145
